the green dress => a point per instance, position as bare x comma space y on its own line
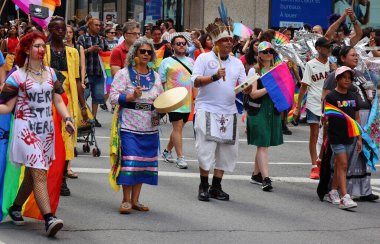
264, 128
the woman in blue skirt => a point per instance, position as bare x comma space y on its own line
134, 89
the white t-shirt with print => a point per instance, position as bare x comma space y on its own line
314, 76
219, 96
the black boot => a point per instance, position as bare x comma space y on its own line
217, 193
65, 191
285, 129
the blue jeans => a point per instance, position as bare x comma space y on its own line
95, 89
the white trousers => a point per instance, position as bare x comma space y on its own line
210, 153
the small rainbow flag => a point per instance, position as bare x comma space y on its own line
354, 129
104, 57
160, 53
280, 86
50, 4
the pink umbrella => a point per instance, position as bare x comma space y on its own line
242, 30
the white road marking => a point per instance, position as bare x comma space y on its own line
192, 139
227, 177
239, 162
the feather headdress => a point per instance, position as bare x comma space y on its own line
222, 27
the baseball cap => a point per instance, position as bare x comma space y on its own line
264, 46
322, 42
343, 69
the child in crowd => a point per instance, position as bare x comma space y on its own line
337, 133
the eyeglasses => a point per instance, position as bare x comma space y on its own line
38, 46
270, 51
145, 51
134, 33
226, 39
180, 43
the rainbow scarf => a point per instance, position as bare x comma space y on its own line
280, 86
50, 4
354, 129
104, 58
11, 176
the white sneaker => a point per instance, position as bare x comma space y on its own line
346, 202
168, 157
333, 197
181, 163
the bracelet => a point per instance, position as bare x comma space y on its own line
214, 77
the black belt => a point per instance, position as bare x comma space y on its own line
140, 106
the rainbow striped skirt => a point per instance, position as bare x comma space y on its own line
139, 162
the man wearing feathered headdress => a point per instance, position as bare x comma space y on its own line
215, 75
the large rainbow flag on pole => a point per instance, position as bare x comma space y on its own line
280, 86
50, 4
104, 57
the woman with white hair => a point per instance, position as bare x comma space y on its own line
134, 89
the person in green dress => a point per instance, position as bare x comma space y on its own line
264, 127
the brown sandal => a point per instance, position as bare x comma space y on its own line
71, 174
140, 207
125, 208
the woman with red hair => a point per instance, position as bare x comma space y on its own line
31, 92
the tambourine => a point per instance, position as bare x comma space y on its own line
171, 100
246, 83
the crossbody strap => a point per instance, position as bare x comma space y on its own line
179, 61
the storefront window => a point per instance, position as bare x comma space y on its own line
173, 9
153, 11
81, 9
135, 10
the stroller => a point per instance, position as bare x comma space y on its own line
86, 135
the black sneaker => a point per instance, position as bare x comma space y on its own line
203, 194
369, 198
97, 124
257, 179
104, 107
65, 191
218, 193
285, 130
16, 216
267, 184
53, 226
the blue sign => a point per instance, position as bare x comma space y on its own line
153, 11
296, 13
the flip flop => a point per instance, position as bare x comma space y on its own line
140, 207
71, 174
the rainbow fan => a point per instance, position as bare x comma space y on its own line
354, 129
280, 38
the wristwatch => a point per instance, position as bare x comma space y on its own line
215, 77
69, 119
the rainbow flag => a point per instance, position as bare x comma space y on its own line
50, 4
160, 56
303, 107
11, 176
104, 57
354, 129
280, 86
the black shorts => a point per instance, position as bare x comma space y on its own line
175, 116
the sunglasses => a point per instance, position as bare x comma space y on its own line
180, 44
58, 29
226, 39
270, 51
144, 51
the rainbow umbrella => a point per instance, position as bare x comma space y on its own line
242, 30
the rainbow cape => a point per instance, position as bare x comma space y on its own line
104, 57
11, 176
50, 4
280, 86
354, 129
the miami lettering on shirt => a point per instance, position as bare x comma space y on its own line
346, 103
319, 76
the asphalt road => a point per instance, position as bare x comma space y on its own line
292, 213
